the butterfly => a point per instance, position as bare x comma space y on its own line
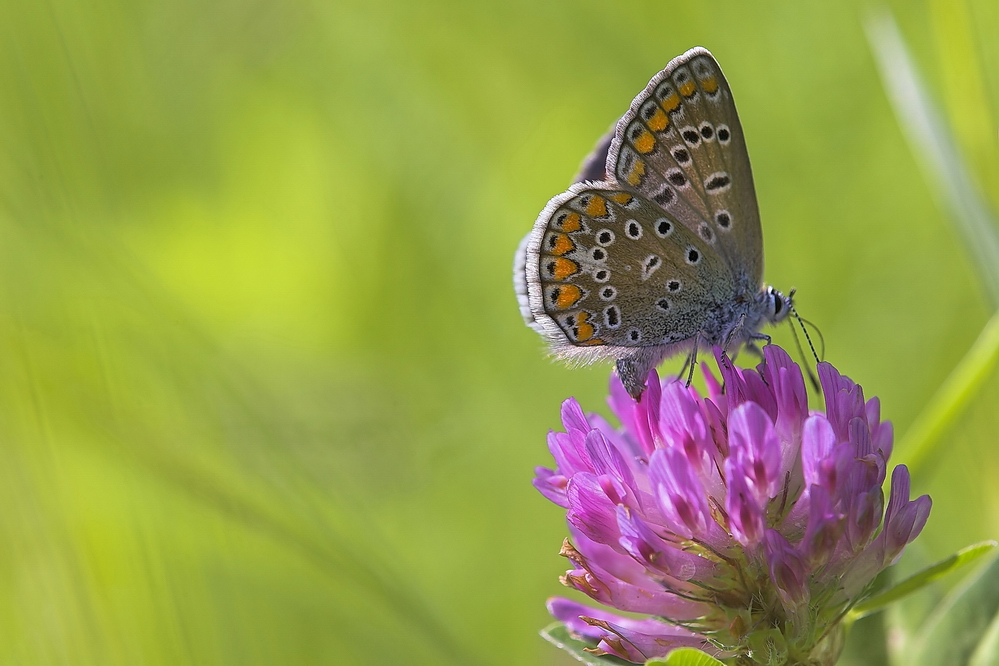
657, 248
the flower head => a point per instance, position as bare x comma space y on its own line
739, 521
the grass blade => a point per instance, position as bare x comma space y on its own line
947, 404
936, 150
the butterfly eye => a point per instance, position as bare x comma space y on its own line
673, 286
608, 293
693, 256
707, 131
724, 135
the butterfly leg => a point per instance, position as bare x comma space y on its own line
754, 349
687, 364
734, 333
692, 360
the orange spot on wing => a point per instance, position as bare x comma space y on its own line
671, 103
571, 223
568, 296
622, 198
593, 342
562, 245
710, 85
687, 88
596, 207
584, 329
645, 143
636, 174
564, 268
659, 121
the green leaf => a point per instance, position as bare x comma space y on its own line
921, 579
557, 634
685, 657
960, 627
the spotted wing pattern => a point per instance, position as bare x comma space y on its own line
613, 269
682, 146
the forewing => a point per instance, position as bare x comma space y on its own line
606, 267
682, 146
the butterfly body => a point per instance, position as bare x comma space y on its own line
664, 254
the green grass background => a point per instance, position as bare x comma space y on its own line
265, 395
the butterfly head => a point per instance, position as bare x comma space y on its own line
777, 306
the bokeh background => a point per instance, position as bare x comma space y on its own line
265, 395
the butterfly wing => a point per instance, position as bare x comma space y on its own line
594, 166
681, 145
661, 244
606, 271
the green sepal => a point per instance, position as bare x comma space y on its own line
769, 647
557, 634
923, 578
685, 657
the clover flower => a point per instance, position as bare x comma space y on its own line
744, 525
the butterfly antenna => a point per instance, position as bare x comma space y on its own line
811, 375
822, 340
802, 356
808, 338
790, 297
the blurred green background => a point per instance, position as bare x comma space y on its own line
265, 395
